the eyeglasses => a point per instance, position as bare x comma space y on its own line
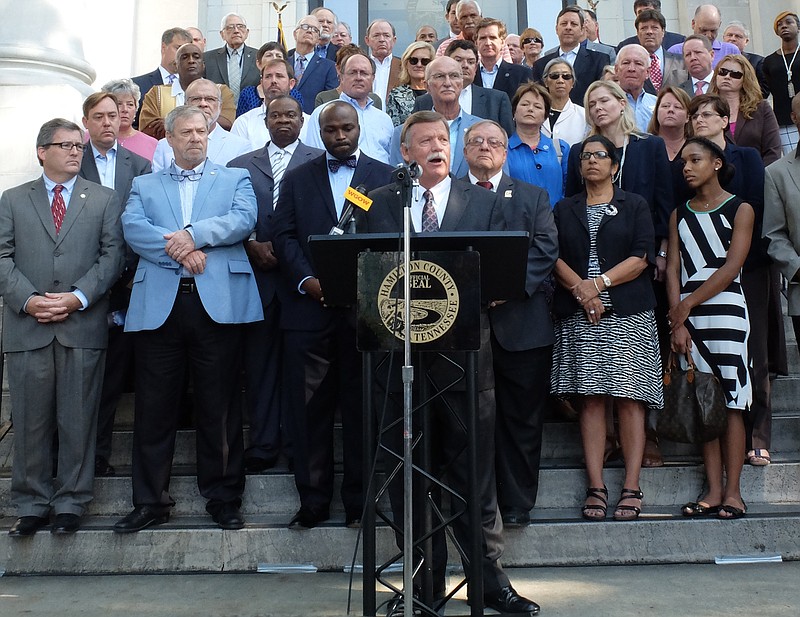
354, 73
493, 142
705, 115
600, 155
564, 76
191, 177
532, 39
232, 27
307, 27
67, 145
443, 76
734, 74
415, 61
194, 100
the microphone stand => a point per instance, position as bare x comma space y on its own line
406, 178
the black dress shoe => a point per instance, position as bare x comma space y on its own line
507, 601
256, 464
308, 518
228, 516
514, 518
142, 517
27, 526
65, 524
102, 468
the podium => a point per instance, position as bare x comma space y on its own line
453, 276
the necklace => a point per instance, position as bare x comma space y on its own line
707, 205
790, 85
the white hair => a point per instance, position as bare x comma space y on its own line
224, 19
463, 3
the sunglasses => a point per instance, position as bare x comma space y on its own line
532, 39
734, 74
564, 76
423, 61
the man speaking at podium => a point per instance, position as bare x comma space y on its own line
322, 365
444, 203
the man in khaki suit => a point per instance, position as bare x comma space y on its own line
61, 249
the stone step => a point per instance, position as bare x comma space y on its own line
559, 487
555, 538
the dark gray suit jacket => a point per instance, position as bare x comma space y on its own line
260, 168
87, 254
217, 66
486, 103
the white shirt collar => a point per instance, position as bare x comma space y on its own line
495, 179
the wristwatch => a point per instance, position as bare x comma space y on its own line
606, 280
662, 254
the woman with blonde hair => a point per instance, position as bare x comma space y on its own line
532, 43
400, 101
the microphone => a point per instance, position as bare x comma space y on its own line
403, 173
353, 198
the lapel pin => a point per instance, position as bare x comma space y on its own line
508, 194
611, 210
83, 196
213, 173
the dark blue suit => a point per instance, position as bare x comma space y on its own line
486, 103
323, 367
509, 77
263, 352
319, 75
145, 83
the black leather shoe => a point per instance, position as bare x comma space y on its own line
507, 601
308, 518
514, 518
27, 526
102, 468
65, 524
228, 516
256, 464
142, 517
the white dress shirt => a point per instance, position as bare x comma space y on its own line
441, 193
380, 85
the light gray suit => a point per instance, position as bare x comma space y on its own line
86, 255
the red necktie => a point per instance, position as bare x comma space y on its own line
430, 222
485, 184
58, 208
655, 72
698, 90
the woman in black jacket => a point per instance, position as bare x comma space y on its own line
606, 341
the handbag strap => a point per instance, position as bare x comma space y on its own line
672, 363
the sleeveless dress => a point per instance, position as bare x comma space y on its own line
720, 326
617, 357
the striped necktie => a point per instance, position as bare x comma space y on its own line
278, 161
235, 73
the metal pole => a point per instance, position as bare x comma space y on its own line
368, 559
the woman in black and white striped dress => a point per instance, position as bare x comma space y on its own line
709, 241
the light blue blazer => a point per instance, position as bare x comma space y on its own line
223, 215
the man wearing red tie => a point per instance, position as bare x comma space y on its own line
698, 58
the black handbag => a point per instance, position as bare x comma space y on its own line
694, 405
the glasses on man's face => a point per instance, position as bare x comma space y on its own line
557, 76
232, 27
186, 175
600, 155
355, 73
306, 27
195, 100
493, 142
415, 61
705, 116
443, 76
532, 39
734, 74
68, 145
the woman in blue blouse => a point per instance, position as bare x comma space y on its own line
532, 156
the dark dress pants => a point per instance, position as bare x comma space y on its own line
189, 340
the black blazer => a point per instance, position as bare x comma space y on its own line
646, 172
260, 168
588, 68
509, 78
519, 325
487, 103
627, 233
305, 207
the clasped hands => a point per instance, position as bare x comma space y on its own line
588, 296
180, 247
52, 307
680, 339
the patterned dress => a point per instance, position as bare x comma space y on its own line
617, 357
720, 326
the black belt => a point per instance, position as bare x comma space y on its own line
187, 286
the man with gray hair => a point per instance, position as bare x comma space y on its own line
192, 292
737, 33
632, 70
222, 145
380, 38
328, 23
61, 250
706, 22
233, 64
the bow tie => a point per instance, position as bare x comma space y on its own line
335, 164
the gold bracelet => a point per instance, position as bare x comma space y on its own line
594, 280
